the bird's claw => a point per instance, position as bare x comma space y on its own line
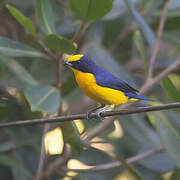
87, 115
100, 116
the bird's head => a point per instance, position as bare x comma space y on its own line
81, 63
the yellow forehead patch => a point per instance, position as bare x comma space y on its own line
75, 57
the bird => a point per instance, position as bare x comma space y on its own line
100, 85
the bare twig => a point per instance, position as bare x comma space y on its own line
46, 49
79, 33
152, 82
157, 42
117, 164
122, 35
58, 162
42, 154
83, 116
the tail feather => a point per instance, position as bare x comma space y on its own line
136, 96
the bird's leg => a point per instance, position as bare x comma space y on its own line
93, 109
103, 110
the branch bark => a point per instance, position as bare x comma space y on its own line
117, 164
159, 34
83, 116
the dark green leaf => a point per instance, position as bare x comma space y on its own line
91, 9
139, 41
58, 43
148, 33
175, 175
171, 89
117, 10
45, 16
26, 22
168, 128
18, 70
71, 136
12, 162
14, 48
43, 98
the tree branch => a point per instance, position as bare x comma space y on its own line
151, 82
159, 34
83, 116
117, 164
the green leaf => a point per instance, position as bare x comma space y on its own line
91, 9
168, 128
175, 175
10, 161
45, 16
136, 175
171, 89
43, 98
147, 32
23, 20
139, 41
18, 70
16, 49
71, 136
58, 43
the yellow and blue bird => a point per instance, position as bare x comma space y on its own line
100, 85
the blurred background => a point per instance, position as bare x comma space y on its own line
121, 36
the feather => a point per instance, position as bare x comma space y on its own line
106, 79
136, 96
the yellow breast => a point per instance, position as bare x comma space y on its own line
103, 95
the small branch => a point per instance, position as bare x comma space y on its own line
150, 83
79, 32
42, 154
122, 35
117, 164
156, 45
83, 116
46, 49
58, 162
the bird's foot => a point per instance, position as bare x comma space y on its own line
100, 115
88, 113
103, 110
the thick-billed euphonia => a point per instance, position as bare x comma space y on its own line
100, 85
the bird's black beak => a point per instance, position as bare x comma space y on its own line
67, 63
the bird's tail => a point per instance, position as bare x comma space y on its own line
136, 96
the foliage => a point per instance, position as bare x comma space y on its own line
35, 36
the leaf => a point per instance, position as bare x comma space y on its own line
171, 89
147, 32
168, 128
18, 70
91, 9
117, 10
174, 4
175, 175
139, 137
45, 16
72, 137
16, 49
43, 98
10, 161
172, 37
139, 41
23, 20
59, 43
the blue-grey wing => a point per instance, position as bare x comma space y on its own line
106, 79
